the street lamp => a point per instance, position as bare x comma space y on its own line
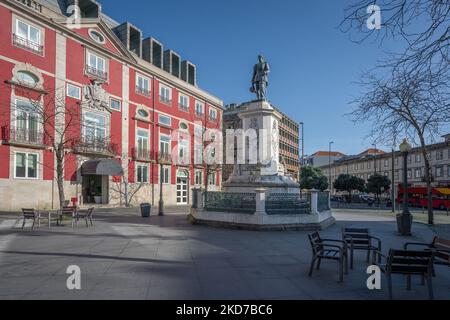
329, 166
404, 220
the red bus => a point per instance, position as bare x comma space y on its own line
417, 197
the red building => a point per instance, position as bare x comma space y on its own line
116, 106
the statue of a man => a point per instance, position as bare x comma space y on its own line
260, 80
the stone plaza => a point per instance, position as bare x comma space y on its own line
125, 256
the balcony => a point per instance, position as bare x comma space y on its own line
164, 158
95, 146
23, 137
165, 100
101, 74
26, 44
32, 4
140, 154
143, 91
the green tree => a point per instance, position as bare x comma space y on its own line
349, 184
313, 178
377, 184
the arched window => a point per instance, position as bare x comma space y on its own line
142, 113
97, 36
27, 78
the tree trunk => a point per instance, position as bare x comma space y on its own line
60, 176
428, 181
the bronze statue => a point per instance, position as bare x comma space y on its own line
260, 80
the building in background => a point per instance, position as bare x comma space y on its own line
289, 140
374, 161
129, 95
322, 158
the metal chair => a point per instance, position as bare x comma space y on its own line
408, 263
31, 214
328, 249
361, 239
86, 215
68, 212
441, 248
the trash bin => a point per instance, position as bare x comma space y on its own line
145, 210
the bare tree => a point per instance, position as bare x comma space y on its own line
124, 188
414, 103
42, 117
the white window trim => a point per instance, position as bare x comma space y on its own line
26, 166
201, 177
15, 23
148, 137
163, 86
16, 110
120, 104
148, 173
138, 75
99, 56
169, 174
202, 104
211, 111
164, 124
182, 95
74, 86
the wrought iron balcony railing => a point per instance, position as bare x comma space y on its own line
143, 91
97, 73
164, 158
29, 45
165, 100
184, 108
92, 145
141, 154
28, 137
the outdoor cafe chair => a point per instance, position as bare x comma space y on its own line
31, 214
361, 239
328, 249
86, 215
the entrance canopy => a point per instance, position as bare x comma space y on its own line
101, 167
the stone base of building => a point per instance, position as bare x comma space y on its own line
262, 222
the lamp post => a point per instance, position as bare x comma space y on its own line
161, 200
329, 166
404, 220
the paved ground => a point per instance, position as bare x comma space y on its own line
127, 257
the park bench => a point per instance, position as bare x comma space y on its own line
328, 249
408, 263
361, 239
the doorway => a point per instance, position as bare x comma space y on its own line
94, 189
182, 188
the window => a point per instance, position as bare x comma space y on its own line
199, 108
448, 171
397, 175
409, 159
164, 144
183, 126
183, 150
165, 94
28, 37
212, 179
198, 145
142, 142
369, 165
418, 173
96, 65
26, 165
397, 161
386, 163
440, 155
198, 178
439, 172
165, 120
142, 85
115, 104
94, 128
418, 158
212, 114
409, 174
97, 36
73, 91
27, 78
142, 173
27, 122
165, 172
183, 102
142, 113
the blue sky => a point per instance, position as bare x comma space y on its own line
314, 66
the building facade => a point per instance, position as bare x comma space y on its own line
288, 134
322, 158
125, 102
374, 161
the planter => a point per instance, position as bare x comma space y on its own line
98, 199
404, 224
